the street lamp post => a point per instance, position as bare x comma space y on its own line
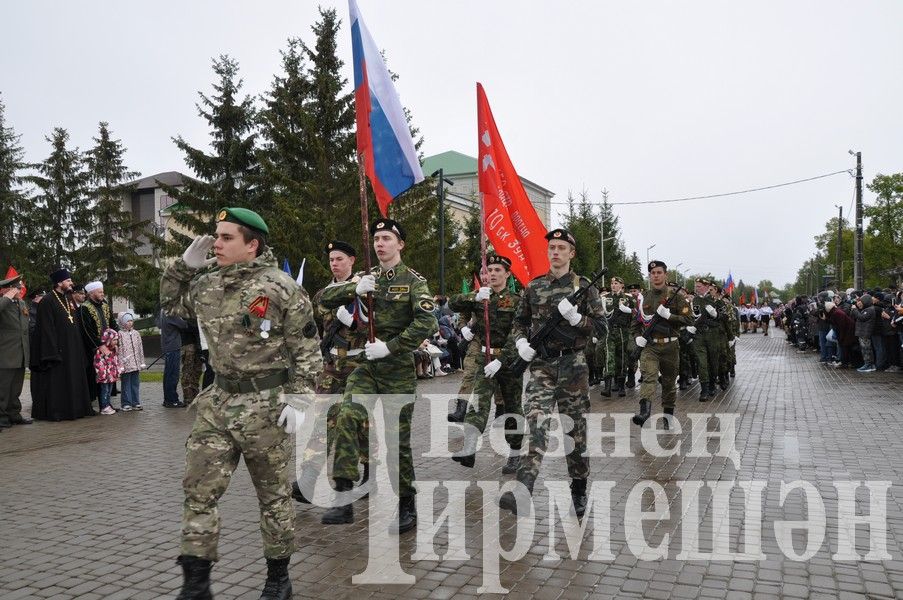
440, 190
648, 278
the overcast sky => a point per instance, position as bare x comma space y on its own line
651, 100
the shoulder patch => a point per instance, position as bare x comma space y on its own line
310, 330
426, 305
416, 274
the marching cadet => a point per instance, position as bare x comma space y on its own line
731, 325
343, 335
470, 363
661, 354
635, 290
263, 341
687, 354
707, 328
493, 379
620, 321
403, 317
558, 370
598, 360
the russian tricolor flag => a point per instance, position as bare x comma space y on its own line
383, 137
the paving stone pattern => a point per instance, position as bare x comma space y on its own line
91, 509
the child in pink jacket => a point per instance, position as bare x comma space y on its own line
106, 364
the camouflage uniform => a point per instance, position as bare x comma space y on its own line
192, 366
404, 317
234, 424
707, 344
602, 360
504, 387
662, 353
620, 338
558, 374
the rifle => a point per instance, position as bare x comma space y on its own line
329, 338
656, 319
538, 338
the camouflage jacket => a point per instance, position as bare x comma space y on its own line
618, 318
232, 305
540, 303
402, 303
502, 308
703, 320
680, 311
345, 339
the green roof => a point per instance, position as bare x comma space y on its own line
451, 162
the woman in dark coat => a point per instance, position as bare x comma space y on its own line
845, 330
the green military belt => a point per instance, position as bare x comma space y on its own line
245, 386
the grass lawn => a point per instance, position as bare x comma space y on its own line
145, 376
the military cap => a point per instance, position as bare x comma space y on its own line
77, 287
244, 216
35, 293
341, 247
656, 263
60, 275
634, 286
388, 225
618, 279
562, 234
10, 282
704, 281
498, 259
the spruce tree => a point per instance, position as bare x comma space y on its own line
13, 207
228, 174
60, 217
110, 249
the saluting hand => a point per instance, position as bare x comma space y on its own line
195, 256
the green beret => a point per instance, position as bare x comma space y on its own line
244, 216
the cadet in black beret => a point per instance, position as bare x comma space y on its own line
657, 263
388, 225
634, 286
497, 259
340, 246
562, 234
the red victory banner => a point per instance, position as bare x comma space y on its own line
510, 221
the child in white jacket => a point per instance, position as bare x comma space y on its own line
131, 356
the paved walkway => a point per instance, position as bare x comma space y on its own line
90, 509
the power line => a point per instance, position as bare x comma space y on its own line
758, 189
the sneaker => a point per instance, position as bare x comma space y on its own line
892, 369
127, 408
137, 407
109, 410
870, 369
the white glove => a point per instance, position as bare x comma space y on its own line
622, 306
291, 418
732, 343
492, 368
366, 285
466, 333
640, 341
663, 311
344, 316
483, 294
595, 340
195, 256
376, 349
691, 329
829, 306
524, 349
569, 312
711, 310
142, 366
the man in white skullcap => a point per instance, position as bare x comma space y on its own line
94, 316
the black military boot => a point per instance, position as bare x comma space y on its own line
509, 502
631, 380
704, 391
407, 515
644, 414
339, 515
682, 383
196, 582
457, 415
622, 391
669, 414
278, 586
578, 496
733, 374
512, 465
606, 391
712, 390
468, 458
722, 381
298, 495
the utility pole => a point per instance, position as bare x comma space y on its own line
838, 275
858, 265
441, 191
602, 233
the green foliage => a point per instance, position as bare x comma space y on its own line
883, 241
13, 207
226, 176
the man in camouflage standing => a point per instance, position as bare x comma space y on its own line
263, 342
661, 354
707, 328
623, 311
403, 318
634, 290
558, 371
493, 379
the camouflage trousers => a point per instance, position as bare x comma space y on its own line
619, 349
227, 427
689, 365
471, 364
664, 359
191, 369
506, 388
390, 375
601, 359
708, 354
562, 381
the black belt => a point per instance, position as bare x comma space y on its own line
245, 386
557, 353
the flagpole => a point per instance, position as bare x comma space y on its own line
365, 238
483, 272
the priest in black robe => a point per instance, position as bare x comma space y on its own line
58, 362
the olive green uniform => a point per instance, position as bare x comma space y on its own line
662, 353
